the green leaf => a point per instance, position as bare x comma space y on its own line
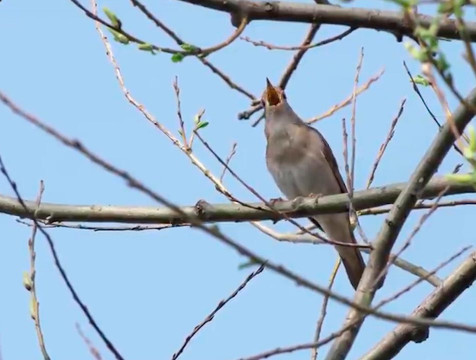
405, 4
248, 264
188, 47
472, 139
420, 80
202, 124
112, 17
419, 54
147, 47
177, 57
462, 178
468, 153
119, 37
442, 64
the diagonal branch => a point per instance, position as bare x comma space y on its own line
394, 222
435, 303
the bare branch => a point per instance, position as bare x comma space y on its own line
303, 207
395, 22
30, 280
394, 222
61, 270
348, 100
300, 47
434, 304
384, 145
220, 305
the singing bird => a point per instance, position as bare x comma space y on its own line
302, 163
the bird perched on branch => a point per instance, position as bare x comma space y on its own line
302, 164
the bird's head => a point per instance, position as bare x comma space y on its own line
272, 96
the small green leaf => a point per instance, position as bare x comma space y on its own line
202, 124
248, 264
461, 178
419, 54
112, 17
405, 4
27, 280
189, 47
119, 37
420, 80
147, 47
177, 57
472, 139
468, 153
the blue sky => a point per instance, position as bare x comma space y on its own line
148, 290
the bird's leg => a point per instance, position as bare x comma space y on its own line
315, 196
273, 201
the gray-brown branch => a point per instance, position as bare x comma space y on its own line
301, 207
435, 303
395, 22
396, 218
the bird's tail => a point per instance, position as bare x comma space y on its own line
337, 228
353, 263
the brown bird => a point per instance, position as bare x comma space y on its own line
301, 163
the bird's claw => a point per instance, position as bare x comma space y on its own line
273, 201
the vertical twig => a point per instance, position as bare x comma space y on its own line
228, 159
325, 301
179, 112
384, 145
29, 281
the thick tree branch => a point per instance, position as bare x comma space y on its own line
442, 297
390, 21
301, 207
395, 219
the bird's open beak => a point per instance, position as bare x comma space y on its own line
272, 96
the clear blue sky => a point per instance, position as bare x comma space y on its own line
148, 290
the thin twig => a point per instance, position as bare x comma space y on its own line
61, 270
322, 316
300, 47
415, 231
290, 349
220, 305
419, 280
351, 173
30, 279
384, 145
46, 224
92, 349
348, 100
191, 51
292, 66
161, 25
179, 112
419, 206
228, 159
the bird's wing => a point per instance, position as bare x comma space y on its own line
331, 160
